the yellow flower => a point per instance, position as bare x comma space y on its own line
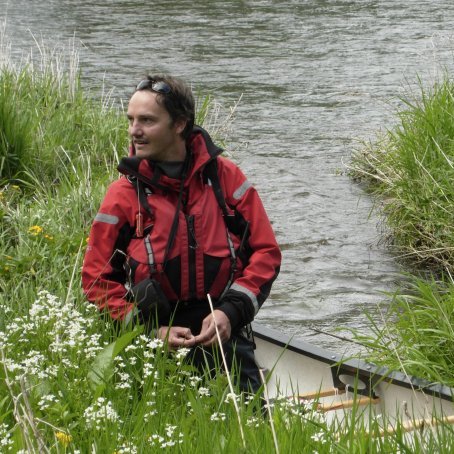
48, 237
35, 230
64, 439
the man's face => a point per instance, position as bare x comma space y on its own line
151, 129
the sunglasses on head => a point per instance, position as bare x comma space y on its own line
157, 86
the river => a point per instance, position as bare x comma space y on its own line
315, 77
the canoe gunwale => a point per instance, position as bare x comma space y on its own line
368, 373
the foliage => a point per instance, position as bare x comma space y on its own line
415, 333
410, 171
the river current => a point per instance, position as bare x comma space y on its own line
314, 77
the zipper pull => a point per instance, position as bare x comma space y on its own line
139, 225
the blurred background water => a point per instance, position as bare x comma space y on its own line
314, 77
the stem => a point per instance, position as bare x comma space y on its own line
235, 403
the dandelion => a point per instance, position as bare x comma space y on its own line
48, 237
35, 230
63, 438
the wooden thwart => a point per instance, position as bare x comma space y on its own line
317, 394
348, 404
343, 404
416, 424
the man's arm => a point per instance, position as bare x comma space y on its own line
263, 257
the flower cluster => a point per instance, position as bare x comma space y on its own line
58, 329
169, 439
63, 438
217, 416
6, 442
37, 230
101, 412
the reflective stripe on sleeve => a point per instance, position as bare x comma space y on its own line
248, 293
106, 218
239, 192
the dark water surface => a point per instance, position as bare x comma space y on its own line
314, 75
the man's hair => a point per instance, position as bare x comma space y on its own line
179, 101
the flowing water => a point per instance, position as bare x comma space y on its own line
314, 77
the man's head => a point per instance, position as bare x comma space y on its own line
161, 117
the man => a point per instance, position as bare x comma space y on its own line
182, 223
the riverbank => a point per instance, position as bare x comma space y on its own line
409, 171
70, 382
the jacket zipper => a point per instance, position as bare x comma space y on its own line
192, 247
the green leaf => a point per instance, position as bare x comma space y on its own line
102, 368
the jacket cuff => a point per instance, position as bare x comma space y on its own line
232, 313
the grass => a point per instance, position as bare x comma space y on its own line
69, 380
410, 169
414, 332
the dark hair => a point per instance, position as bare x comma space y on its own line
178, 101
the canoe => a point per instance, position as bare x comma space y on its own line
307, 373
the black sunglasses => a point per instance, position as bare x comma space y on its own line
157, 86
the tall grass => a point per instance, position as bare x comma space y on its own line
414, 332
410, 169
69, 380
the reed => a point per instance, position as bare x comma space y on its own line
410, 169
414, 332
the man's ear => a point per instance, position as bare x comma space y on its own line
180, 125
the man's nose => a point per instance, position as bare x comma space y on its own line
135, 129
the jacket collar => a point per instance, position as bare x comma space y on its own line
202, 150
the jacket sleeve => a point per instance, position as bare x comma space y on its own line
249, 291
103, 275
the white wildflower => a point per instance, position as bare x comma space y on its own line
6, 442
217, 417
127, 449
99, 413
181, 354
171, 438
204, 392
319, 437
252, 421
231, 397
46, 401
194, 380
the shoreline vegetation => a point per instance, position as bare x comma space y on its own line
409, 172
69, 381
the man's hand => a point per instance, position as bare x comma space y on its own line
207, 334
177, 336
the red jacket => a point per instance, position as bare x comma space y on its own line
199, 261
